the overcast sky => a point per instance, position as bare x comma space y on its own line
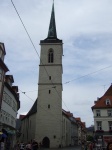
85, 26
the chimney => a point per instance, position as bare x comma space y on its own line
95, 102
15, 89
97, 98
9, 79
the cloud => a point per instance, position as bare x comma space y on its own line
86, 30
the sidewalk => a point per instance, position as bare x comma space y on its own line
64, 148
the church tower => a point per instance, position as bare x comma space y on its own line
49, 103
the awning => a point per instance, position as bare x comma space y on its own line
107, 138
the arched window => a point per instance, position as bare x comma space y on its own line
51, 56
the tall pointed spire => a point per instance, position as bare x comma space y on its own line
52, 27
52, 34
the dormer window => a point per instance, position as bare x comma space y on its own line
108, 102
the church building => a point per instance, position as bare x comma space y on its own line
46, 121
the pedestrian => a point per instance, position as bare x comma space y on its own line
40, 145
83, 146
22, 146
109, 146
34, 145
7, 144
16, 146
91, 146
2, 144
86, 146
28, 146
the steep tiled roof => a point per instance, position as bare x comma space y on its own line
101, 102
78, 119
108, 92
83, 124
67, 113
32, 111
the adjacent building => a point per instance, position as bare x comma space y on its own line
10, 106
90, 131
102, 111
69, 129
82, 133
3, 70
9, 100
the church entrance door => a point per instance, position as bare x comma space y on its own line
46, 142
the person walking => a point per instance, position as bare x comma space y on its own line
34, 145
91, 146
2, 144
28, 146
21, 146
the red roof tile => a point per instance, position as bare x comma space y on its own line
101, 102
78, 119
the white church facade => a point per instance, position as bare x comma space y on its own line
46, 121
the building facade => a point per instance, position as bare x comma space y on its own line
69, 136
46, 121
82, 133
69, 129
3, 70
10, 106
9, 100
49, 104
102, 111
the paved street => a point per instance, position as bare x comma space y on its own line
66, 148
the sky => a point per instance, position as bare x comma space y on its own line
85, 27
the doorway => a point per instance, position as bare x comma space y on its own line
46, 142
